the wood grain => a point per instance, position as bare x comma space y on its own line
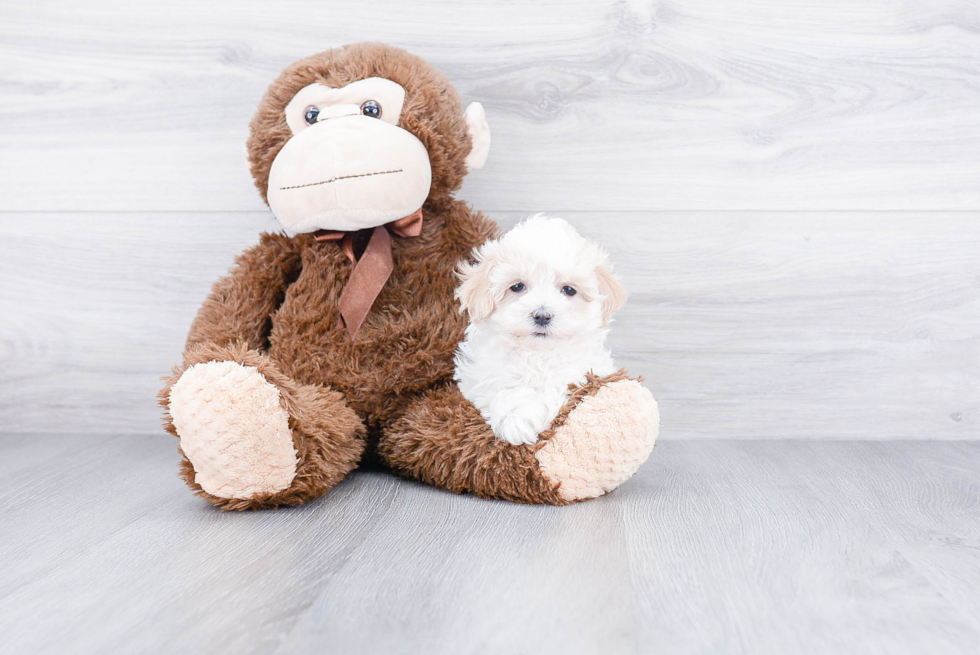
715, 546
834, 326
594, 105
790, 191
801, 525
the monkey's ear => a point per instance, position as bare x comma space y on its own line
475, 293
614, 295
476, 125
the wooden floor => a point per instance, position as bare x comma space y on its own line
715, 547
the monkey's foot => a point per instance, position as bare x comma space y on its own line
602, 442
233, 429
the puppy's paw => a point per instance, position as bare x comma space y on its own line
516, 429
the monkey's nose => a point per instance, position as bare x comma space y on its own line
338, 111
542, 316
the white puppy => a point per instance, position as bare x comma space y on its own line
540, 300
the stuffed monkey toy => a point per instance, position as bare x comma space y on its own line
335, 346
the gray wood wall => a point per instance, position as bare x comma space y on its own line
790, 189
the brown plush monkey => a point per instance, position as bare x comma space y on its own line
337, 343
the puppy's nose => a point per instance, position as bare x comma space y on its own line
542, 316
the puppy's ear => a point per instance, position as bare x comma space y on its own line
474, 293
614, 295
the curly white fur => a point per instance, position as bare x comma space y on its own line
540, 300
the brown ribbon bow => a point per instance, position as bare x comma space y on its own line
372, 267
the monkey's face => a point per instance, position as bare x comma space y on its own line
348, 165
365, 153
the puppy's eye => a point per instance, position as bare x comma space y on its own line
517, 288
568, 291
371, 109
310, 114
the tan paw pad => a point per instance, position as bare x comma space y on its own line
605, 439
233, 429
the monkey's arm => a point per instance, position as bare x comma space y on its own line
240, 305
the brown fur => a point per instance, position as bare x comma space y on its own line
277, 311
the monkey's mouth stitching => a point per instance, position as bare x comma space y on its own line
342, 177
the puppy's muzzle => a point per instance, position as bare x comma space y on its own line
542, 317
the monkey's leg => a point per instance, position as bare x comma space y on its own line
600, 438
253, 438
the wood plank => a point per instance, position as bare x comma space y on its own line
835, 326
760, 547
104, 484
944, 512
594, 105
794, 528
94, 312
450, 575
128, 553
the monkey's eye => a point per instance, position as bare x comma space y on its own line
371, 108
311, 113
517, 288
568, 291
